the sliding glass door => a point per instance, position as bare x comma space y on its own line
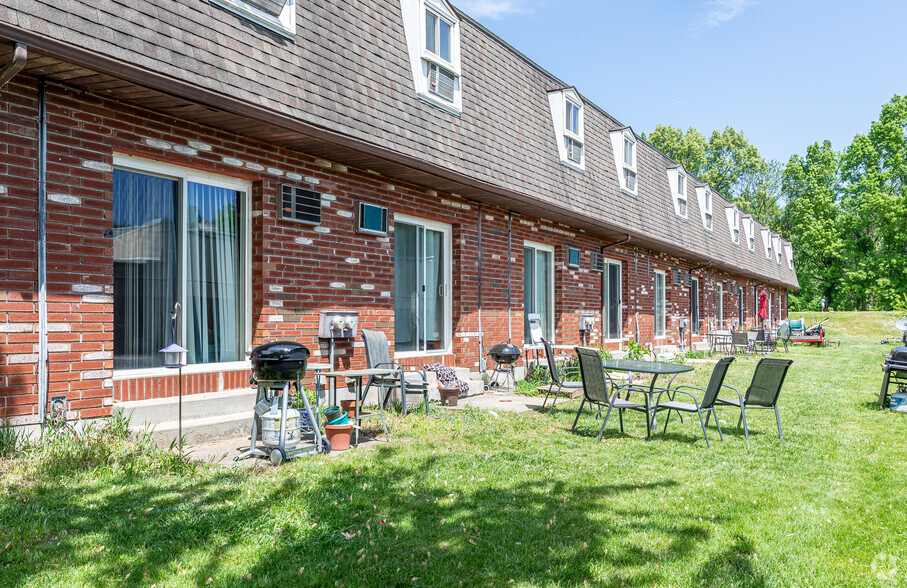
612, 310
421, 286
538, 288
660, 313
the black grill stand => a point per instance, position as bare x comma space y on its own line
267, 391
505, 370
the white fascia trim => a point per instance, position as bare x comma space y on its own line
284, 24
700, 197
557, 104
673, 175
419, 58
617, 147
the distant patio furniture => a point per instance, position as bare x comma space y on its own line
600, 390
377, 356
558, 376
720, 341
740, 342
763, 391
709, 394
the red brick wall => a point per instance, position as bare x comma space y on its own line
297, 270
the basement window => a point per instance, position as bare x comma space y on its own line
300, 205
276, 15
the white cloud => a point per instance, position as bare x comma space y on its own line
718, 12
492, 9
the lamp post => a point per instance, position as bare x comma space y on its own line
172, 360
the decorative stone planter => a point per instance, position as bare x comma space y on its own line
449, 396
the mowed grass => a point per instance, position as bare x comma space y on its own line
468, 498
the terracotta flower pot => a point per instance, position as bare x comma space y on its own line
349, 406
338, 436
449, 396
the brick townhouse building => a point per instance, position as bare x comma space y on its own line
261, 161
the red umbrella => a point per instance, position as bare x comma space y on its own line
763, 302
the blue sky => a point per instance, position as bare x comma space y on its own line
786, 73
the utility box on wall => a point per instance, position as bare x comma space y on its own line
586, 323
338, 324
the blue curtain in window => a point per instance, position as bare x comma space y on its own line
145, 267
215, 250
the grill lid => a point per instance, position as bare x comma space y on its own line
278, 350
279, 361
504, 349
899, 355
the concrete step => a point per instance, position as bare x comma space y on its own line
200, 430
208, 404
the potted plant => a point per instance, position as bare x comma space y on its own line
449, 385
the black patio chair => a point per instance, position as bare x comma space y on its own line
558, 376
709, 394
600, 390
740, 342
377, 356
763, 391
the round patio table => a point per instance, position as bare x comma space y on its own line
656, 368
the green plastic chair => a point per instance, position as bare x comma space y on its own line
707, 406
763, 391
600, 390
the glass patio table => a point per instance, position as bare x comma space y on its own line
656, 368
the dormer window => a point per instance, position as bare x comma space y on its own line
704, 195
677, 179
776, 247
623, 141
433, 41
767, 243
789, 252
733, 221
567, 116
276, 15
748, 229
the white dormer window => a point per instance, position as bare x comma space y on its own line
749, 231
704, 196
789, 253
776, 247
567, 116
276, 15
767, 244
623, 142
433, 41
733, 221
677, 179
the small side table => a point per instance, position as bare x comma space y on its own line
357, 375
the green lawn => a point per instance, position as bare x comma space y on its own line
466, 498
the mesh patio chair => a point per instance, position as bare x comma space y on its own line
763, 391
600, 390
558, 376
707, 405
741, 342
377, 356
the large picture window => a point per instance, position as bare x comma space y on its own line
178, 238
421, 286
659, 304
538, 288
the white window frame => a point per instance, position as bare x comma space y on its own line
776, 248
767, 244
446, 229
789, 252
549, 249
559, 102
184, 176
733, 221
705, 197
720, 309
421, 58
606, 325
664, 304
284, 24
620, 138
749, 230
677, 179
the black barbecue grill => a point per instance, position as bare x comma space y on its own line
281, 361
504, 355
895, 368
